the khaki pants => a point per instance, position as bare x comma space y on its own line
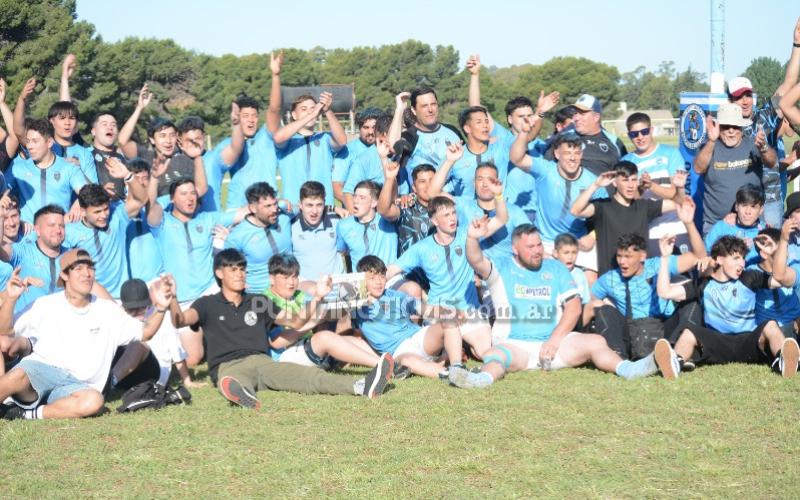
259, 371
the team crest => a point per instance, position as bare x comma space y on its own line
98, 157
459, 251
547, 276
372, 226
603, 147
199, 228
693, 126
57, 176
250, 318
316, 142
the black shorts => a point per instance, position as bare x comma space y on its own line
714, 348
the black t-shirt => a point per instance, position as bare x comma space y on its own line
231, 332
612, 220
5, 158
600, 154
103, 177
179, 166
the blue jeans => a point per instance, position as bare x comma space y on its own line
50, 382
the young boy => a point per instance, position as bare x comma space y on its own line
301, 345
779, 304
730, 332
389, 323
743, 223
565, 250
314, 235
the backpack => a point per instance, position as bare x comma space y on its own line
150, 394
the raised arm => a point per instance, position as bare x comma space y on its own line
67, 69
232, 151
6, 249
768, 155
703, 158
19, 110
454, 153
126, 145
194, 150
273, 118
287, 131
155, 212
664, 287
582, 207
386, 206
793, 66
12, 142
545, 103
310, 311
678, 188
477, 230
501, 209
788, 107
136, 196
162, 298
780, 269
338, 135
519, 149
396, 128
474, 96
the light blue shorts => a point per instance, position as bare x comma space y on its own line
50, 383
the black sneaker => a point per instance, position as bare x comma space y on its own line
376, 380
687, 365
401, 372
12, 412
234, 391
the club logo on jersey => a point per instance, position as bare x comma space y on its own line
98, 158
693, 127
222, 318
95, 330
547, 276
198, 228
603, 147
372, 226
57, 176
531, 292
316, 142
250, 318
459, 250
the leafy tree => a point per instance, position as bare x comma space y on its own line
766, 74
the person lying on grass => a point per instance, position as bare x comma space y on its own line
537, 306
235, 326
67, 341
729, 333
389, 322
323, 348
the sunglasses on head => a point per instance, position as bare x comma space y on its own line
633, 134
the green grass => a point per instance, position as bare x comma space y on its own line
721, 431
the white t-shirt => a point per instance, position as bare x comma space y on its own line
80, 341
165, 346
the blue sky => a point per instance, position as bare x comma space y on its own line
625, 33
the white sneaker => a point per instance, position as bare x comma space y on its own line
789, 357
667, 360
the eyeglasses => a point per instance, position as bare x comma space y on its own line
728, 127
633, 134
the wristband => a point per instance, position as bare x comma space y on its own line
498, 197
540, 114
128, 178
162, 311
796, 45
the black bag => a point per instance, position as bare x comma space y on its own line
149, 394
642, 336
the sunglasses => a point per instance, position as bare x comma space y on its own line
633, 134
728, 127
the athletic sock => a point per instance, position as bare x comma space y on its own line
358, 386
485, 376
34, 414
637, 369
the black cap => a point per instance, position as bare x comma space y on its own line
134, 294
792, 204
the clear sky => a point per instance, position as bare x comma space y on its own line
624, 33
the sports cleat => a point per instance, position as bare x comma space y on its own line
667, 360
789, 357
234, 391
376, 380
401, 372
465, 379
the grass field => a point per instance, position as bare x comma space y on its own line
721, 432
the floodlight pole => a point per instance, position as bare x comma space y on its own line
717, 74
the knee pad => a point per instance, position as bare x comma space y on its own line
494, 358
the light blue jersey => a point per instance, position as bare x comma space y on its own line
520, 185
386, 322
215, 172
446, 267
369, 167
143, 256
314, 247
257, 163
83, 157
35, 263
306, 158
729, 307
582, 283
721, 228
645, 302
187, 250
528, 303
105, 246
779, 304
431, 148
36, 187
461, 181
556, 195
343, 159
498, 244
259, 244
378, 237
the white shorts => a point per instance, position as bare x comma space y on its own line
532, 348
296, 354
585, 260
415, 345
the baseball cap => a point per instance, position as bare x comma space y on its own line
134, 294
739, 85
588, 102
71, 258
792, 204
729, 113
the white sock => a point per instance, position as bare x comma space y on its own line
358, 386
35, 414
